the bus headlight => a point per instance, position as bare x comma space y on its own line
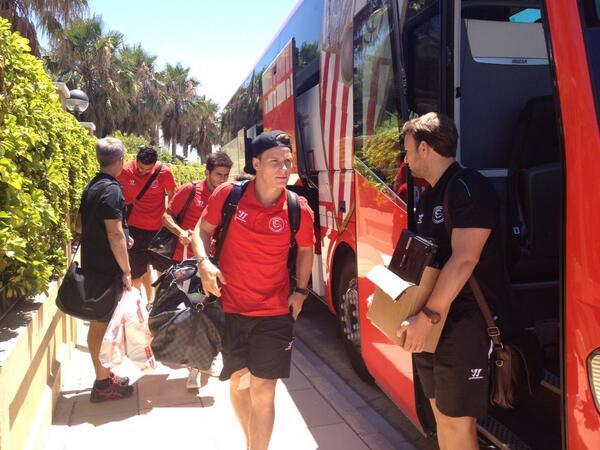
594, 374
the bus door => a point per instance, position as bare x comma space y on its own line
280, 113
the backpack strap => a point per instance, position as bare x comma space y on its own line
293, 206
144, 189
229, 208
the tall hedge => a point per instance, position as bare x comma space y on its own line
46, 158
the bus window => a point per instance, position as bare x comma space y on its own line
376, 117
422, 51
591, 14
527, 15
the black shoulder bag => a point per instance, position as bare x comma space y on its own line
516, 364
87, 294
129, 207
162, 246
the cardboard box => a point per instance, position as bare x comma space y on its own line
395, 299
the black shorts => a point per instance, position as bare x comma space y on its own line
139, 258
262, 344
457, 374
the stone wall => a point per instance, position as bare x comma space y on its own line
36, 340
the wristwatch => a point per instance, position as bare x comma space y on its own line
302, 291
433, 317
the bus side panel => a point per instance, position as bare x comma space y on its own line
337, 226
582, 253
379, 223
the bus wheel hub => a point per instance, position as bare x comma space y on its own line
349, 313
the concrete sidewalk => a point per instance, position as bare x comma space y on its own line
313, 410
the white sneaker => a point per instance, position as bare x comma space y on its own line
216, 367
193, 379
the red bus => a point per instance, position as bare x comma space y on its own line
521, 79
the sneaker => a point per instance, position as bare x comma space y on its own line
216, 367
123, 381
113, 391
193, 380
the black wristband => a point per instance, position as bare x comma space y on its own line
302, 291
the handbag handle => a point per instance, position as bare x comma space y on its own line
492, 329
181, 214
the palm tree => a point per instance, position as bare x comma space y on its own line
87, 58
180, 92
200, 129
51, 16
147, 100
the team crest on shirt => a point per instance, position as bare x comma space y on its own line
438, 215
154, 184
276, 224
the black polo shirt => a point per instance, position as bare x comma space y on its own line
102, 200
473, 204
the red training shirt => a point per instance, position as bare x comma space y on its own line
192, 214
148, 211
255, 252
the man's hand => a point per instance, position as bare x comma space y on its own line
185, 238
210, 276
295, 302
130, 242
417, 328
127, 281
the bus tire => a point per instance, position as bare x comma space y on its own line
346, 297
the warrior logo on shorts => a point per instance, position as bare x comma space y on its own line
476, 374
438, 214
276, 224
289, 347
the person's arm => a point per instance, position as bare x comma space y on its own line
169, 222
304, 262
207, 271
118, 245
467, 245
78, 226
170, 193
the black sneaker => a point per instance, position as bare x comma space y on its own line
114, 391
123, 381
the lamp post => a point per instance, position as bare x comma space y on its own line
77, 102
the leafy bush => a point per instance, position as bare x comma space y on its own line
187, 173
133, 142
183, 173
46, 158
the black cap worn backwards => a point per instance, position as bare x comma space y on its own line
263, 142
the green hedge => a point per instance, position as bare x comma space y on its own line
184, 173
190, 172
46, 158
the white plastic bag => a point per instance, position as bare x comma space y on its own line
112, 349
128, 334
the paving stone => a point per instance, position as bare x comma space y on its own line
314, 408
336, 437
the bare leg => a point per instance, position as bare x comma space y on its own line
147, 281
95, 335
262, 417
455, 433
240, 400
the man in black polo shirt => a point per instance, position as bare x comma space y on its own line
104, 250
455, 378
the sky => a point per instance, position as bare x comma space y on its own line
220, 40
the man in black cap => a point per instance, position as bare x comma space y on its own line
254, 282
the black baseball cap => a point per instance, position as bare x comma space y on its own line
263, 142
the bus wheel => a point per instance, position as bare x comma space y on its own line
347, 319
